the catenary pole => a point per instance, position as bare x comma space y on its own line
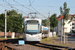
5, 24
63, 31
49, 23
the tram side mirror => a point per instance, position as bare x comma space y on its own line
41, 31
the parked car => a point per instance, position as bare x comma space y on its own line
72, 34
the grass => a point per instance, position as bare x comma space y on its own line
47, 40
19, 37
10, 37
2, 38
52, 40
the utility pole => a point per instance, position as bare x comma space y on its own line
49, 25
49, 21
29, 15
49, 14
63, 31
5, 24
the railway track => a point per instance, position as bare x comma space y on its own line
10, 45
52, 47
55, 47
4, 44
1, 45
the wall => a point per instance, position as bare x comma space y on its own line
9, 34
67, 27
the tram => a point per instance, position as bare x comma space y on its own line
32, 29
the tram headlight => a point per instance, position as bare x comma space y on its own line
26, 35
38, 35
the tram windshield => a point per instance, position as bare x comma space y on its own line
32, 28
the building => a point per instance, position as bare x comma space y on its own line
68, 27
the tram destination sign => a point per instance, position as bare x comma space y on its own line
33, 21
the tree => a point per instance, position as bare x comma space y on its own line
14, 22
2, 21
45, 22
64, 12
53, 21
12, 13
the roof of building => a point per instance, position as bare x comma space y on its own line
60, 17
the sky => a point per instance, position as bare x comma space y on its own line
41, 6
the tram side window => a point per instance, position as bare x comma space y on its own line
24, 29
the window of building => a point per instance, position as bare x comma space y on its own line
72, 23
72, 27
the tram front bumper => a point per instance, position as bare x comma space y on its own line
33, 38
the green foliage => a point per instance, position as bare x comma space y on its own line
15, 24
71, 19
2, 21
14, 21
64, 11
62, 23
45, 22
12, 13
53, 21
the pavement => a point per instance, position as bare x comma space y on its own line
71, 40
68, 39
